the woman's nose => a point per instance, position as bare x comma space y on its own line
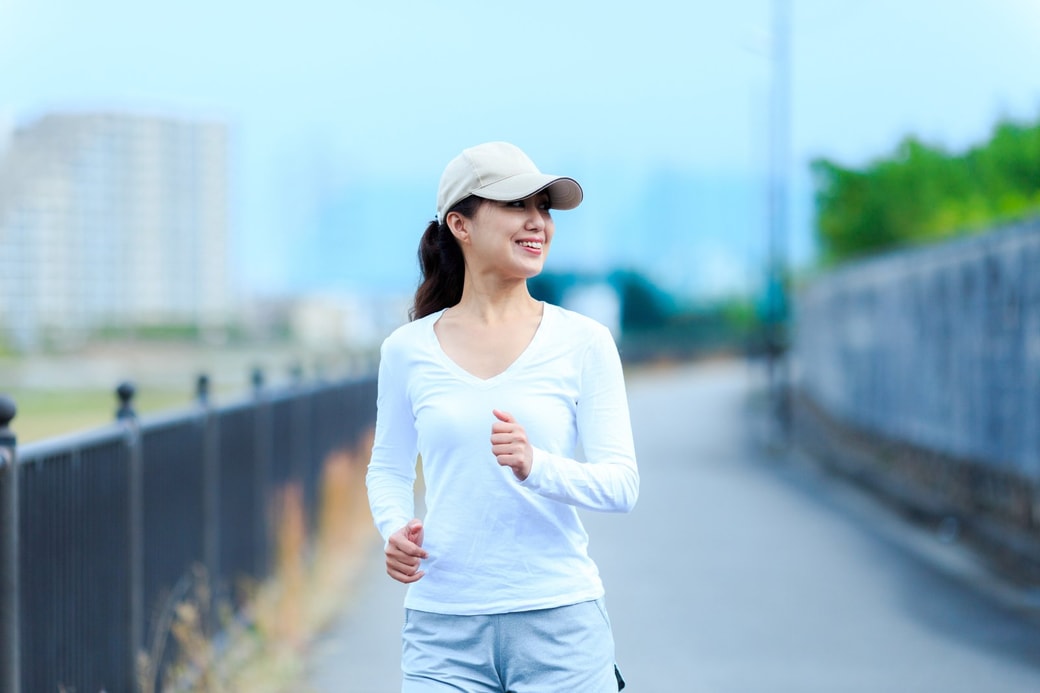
535, 217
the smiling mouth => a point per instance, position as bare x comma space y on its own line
536, 245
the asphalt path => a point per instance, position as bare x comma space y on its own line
745, 571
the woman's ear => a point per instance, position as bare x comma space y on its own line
459, 226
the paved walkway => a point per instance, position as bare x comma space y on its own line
742, 573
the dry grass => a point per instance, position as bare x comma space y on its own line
264, 652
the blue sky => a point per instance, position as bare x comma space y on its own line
343, 114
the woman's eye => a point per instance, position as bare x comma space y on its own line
522, 204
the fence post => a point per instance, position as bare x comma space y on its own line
210, 493
125, 394
10, 654
262, 476
202, 390
127, 416
299, 433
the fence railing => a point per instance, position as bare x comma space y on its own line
101, 532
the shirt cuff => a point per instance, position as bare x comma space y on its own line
536, 475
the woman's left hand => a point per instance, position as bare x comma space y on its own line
510, 445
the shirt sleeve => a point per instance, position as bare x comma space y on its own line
391, 470
608, 479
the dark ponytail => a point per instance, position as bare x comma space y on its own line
442, 267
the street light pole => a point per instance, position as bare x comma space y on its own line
779, 166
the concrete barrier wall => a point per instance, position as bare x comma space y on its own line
937, 347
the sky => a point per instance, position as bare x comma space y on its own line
343, 114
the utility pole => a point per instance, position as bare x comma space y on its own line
779, 167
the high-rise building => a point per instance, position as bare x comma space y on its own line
112, 220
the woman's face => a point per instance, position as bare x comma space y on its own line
511, 238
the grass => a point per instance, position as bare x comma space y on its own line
47, 413
64, 393
264, 649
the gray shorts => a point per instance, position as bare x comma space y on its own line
569, 648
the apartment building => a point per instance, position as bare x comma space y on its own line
111, 220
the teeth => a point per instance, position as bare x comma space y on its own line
531, 244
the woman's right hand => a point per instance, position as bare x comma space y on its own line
404, 551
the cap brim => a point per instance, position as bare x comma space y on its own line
564, 192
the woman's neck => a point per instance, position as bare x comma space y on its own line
496, 303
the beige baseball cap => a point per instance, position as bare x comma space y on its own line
501, 171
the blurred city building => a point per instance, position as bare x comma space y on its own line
599, 301
331, 320
110, 222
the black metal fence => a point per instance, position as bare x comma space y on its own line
101, 532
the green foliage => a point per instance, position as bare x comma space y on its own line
923, 193
550, 287
159, 332
644, 305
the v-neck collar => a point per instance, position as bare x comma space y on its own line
464, 374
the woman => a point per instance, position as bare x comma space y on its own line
493, 390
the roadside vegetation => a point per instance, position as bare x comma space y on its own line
263, 647
922, 193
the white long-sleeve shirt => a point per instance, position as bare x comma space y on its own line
497, 544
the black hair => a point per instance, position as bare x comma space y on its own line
442, 267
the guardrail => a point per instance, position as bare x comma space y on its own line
102, 532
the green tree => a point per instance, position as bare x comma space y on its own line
922, 193
644, 305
